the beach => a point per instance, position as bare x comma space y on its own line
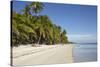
44, 54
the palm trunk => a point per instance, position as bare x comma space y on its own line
39, 40
40, 27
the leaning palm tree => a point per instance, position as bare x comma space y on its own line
36, 7
26, 11
64, 38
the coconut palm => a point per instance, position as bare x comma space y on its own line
64, 38
26, 11
36, 7
30, 28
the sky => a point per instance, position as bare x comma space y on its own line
80, 21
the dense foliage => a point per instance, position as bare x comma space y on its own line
29, 27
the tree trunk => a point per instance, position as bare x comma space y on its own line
39, 40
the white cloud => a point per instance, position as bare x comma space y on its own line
82, 38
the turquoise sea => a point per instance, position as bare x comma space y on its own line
85, 52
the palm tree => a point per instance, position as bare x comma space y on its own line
64, 38
46, 28
26, 11
36, 7
22, 27
30, 28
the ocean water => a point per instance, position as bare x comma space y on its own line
85, 52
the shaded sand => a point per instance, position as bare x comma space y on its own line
52, 54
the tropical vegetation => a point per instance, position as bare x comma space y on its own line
29, 27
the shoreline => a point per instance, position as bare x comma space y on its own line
45, 54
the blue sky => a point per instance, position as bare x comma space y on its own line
80, 21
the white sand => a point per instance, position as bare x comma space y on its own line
52, 54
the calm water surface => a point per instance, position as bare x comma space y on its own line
85, 52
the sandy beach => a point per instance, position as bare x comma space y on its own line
52, 54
